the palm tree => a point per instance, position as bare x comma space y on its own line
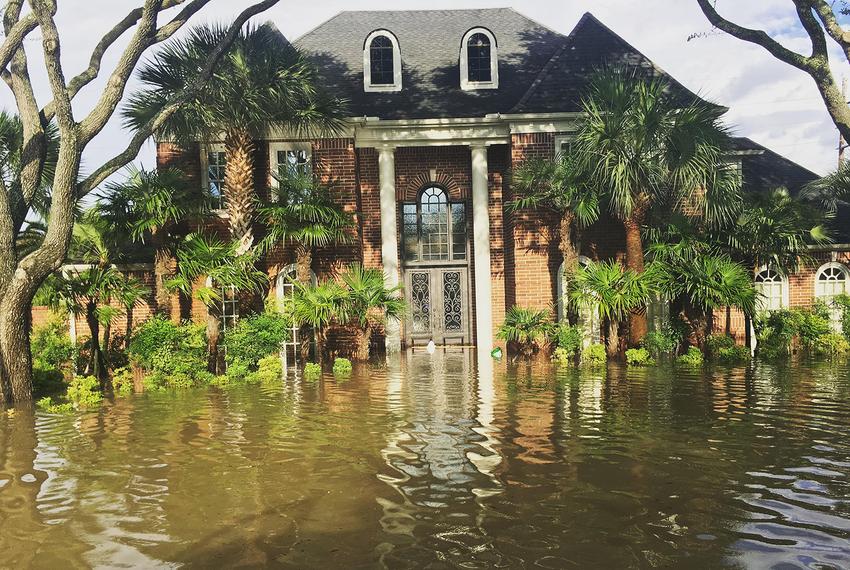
225, 269
317, 307
156, 207
614, 291
644, 148
262, 81
832, 190
368, 302
304, 214
526, 329
706, 282
560, 185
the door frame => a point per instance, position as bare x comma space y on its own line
436, 313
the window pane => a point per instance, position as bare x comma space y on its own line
216, 164
293, 163
410, 238
478, 58
435, 225
458, 231
381, 61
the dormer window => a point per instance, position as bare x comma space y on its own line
479, 62
381, 62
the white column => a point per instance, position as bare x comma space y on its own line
389, 235
481, 237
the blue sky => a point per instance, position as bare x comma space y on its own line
769, 101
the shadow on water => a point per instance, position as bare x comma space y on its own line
444, 460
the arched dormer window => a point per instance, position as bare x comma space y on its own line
479, 60
381, 62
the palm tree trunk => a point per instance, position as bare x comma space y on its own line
128, 330
98, 365
613, 338
569, 254
213, 334
161, 268
303, 274
364, 340
638, 326
240, 198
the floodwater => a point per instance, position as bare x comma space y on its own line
433, 461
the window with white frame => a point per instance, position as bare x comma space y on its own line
479, 60
772, 287
285, 289
290, 159
229, 307
831, 280
381, 62
214, 162
587, 317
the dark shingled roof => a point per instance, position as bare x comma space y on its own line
540, 71
769, 170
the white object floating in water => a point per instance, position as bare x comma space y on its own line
432, 347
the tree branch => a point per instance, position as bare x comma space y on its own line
758, 37
813, 29
16, 34
833, 28
179, 20
52, 62
145, 132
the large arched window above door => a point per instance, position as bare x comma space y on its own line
381, 62
434, 229
479, 60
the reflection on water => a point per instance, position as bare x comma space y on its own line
444, 460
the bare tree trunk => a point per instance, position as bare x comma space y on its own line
240, 197
98, 364
638, 326
303, 274
613, 338
162, 269
15, 355
213, 335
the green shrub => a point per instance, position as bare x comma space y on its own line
842, 302
53, 356
312, 371
255, 337
122, 381
48, 405
594, 355
693, 357
776, 330
173, 356
563, 356
269, 370
527, 329
831, 344
639, 357
737, 353
342, 367
84, 392
568, 337
662, 342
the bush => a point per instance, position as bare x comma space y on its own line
639, 357
173, 356
84, 392
52, 356
255, 337
776, 330
568, 337
269, 370
662, 342
831, 344
594, 355
723, 348
527, 329
312, 371
842, 302
693, 357
122, 381
563, 356
48, 405
342, 367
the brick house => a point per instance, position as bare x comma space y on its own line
438, 120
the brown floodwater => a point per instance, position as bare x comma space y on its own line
431, 461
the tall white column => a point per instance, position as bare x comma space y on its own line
481, 239
389, 235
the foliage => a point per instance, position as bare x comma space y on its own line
639, 357
316, 306
269, 370
611, 289
122, 381
693, 357
723, 348
172, 355
312, 371
842, 303
51, 346
367, 299
84, 392
341, 367
661, 342
563, 356
594, 355
526, 328
831, 344
776, 330
568, 342
708, 282
48, 405
255, 337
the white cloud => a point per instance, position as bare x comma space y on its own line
768, 100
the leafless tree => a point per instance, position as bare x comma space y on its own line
21, 275
820, 21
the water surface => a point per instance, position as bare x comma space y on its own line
433, 462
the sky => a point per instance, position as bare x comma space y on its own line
768, 101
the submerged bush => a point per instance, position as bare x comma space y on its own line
269, 370
48, 405
662, 342
776, 331
693, 357
594, 355
342, 367
723, 348
831, 344
526, 329
173, 356
255, 337
563, 356
52, 356
122, 381
312, 371
84, 391
639, 357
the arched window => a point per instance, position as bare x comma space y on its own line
381, 62
433, 228
587, 318
479, 62
772, 287
831, 280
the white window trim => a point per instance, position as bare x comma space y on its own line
786, 292
561, 139
592, 330
465, 83
830, 265
205, 171
274, 147
367, 61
